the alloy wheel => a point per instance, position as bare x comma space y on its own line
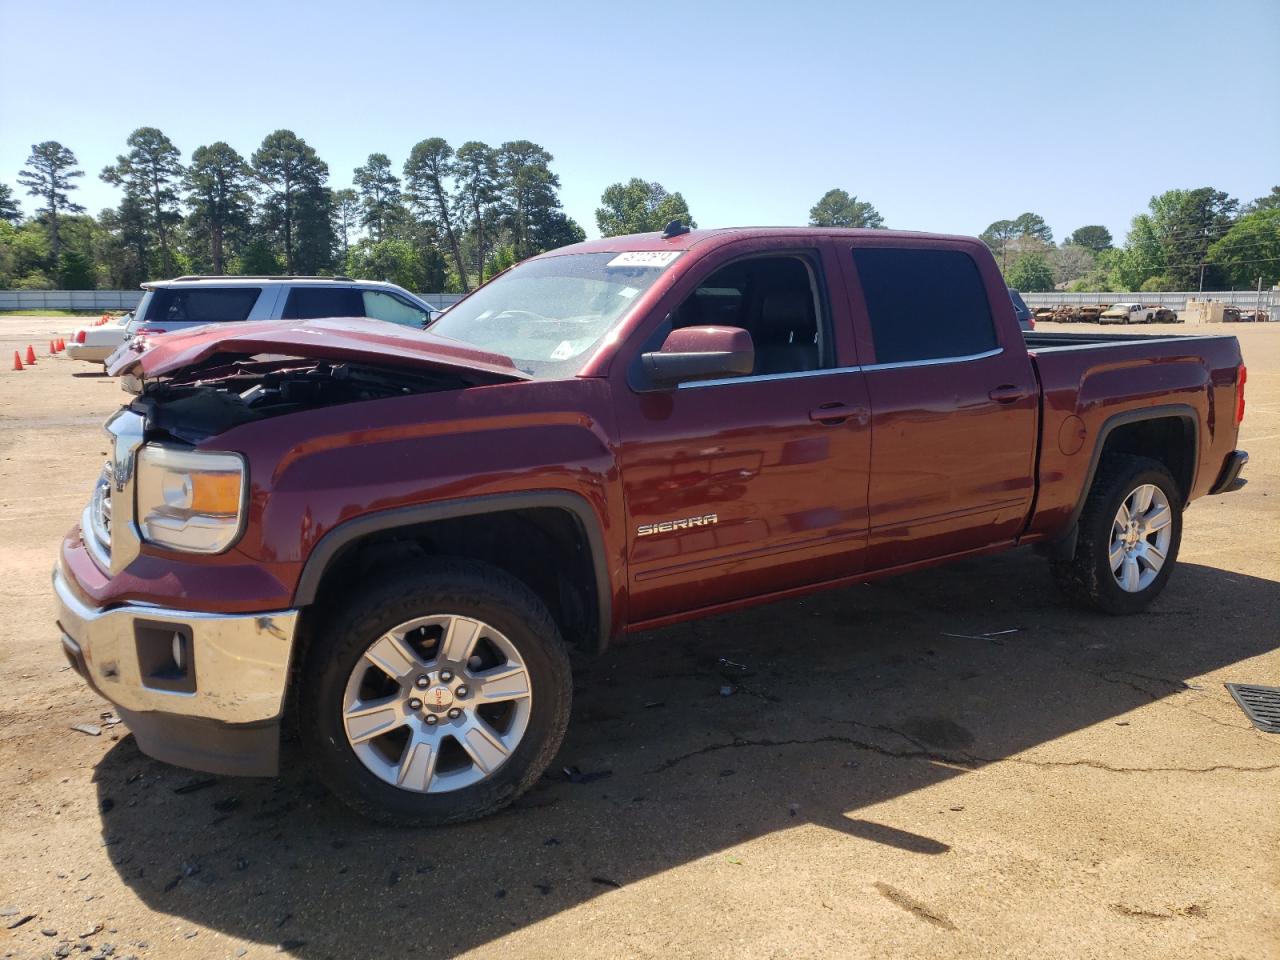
437, 703
1140, 537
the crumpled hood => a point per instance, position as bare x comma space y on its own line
356, 339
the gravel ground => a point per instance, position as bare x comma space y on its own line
952, 763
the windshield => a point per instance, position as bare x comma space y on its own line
546, 314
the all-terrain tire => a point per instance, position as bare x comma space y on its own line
1086, 578
434, 587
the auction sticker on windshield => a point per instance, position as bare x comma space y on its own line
645, 258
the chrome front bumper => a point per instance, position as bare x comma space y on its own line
239, 662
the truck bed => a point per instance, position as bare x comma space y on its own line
1093, 383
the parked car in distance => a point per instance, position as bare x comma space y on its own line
169, 306
1165, 315
1128, 313
94, 344
1020, 310
393, 536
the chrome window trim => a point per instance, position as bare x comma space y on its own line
862, 368
935, 361
760, 377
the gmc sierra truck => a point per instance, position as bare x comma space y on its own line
391, 536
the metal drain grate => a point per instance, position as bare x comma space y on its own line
1260, 704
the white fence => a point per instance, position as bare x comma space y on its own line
125, 299
1268, 300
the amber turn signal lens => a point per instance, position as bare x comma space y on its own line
215, 493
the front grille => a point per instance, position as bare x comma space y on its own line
99, 517
107, 522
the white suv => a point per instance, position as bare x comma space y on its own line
172, 305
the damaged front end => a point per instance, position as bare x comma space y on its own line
194, 404
197, 385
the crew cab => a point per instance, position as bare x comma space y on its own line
1128, 313
392, 535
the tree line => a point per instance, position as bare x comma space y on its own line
1200, 239
448, 219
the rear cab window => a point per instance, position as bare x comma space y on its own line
924, 304
201, 304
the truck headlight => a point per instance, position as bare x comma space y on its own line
188, 499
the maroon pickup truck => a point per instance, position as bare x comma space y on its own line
392, 536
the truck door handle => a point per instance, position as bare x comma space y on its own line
836, 412
1008, 393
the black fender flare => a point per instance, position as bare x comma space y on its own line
1065, 545
333, 543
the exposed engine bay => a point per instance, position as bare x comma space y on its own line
202, 401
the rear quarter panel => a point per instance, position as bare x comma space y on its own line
1086, 387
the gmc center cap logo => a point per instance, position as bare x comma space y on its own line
439, 697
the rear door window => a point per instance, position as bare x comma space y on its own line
386, 306
201, 304
310, 303
924, 304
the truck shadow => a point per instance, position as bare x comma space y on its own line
712, 734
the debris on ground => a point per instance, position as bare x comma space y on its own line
574, 775
606, 882
989, 636
92, 729
191, 786
727, 690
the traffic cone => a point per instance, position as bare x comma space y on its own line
62, 345
31, 355
17, 361
53, 348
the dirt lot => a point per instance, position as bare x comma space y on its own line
883, 781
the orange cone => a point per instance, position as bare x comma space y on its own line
17, 361
31, 355
53, 349
62, 345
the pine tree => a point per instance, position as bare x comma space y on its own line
48, 175
151, 172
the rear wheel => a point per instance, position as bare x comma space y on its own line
440, 696
1129, 533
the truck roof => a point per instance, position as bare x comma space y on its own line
721, 235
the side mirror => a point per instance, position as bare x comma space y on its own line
700, 353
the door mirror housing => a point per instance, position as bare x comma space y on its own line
699, 353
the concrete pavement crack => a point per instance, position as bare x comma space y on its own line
970, 761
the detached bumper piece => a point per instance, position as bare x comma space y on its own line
1230, 480
198, 690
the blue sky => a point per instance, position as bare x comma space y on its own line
946, 116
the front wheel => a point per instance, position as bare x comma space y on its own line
437, 697
1129, 533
